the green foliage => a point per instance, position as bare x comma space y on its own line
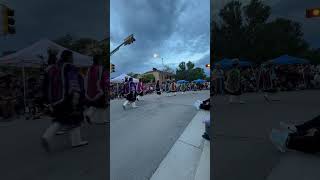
186, 71
168, 69
65, 41
82, 44
147, 78
87, 46
134, 75
181, 72
197, 73
256, 13
247, 32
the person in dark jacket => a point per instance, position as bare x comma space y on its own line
158, 88
140, 90
303, 137
131, 94
68, 110
233, 83
95, 92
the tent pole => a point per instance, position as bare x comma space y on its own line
24, 87
118, 89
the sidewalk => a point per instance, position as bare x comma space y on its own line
189, 158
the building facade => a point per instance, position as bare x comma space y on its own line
161, 75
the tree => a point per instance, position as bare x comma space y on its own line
86, 46
283, 36
147, 78
134, 75
168, 69
313, 55
190, 66
245, 32
186, 71
231, 15
232, 29
65, 41
256, 14
198, 73
181, 71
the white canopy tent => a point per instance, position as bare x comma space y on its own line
121, 78
36, 55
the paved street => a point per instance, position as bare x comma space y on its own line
241, 147
142, 137
22, 157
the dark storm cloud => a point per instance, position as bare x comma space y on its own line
174, 29
147, 20
54, 18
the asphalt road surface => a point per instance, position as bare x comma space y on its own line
142, 137
23, 158
241, 148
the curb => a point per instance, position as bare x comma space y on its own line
182, 161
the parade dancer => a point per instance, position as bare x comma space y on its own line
167, 88
183, 88
131, 96
158, 88
125, 92
218, 77
140, 90
95, 92
173, 88
68, 110
52, 86
267, 78
234, 82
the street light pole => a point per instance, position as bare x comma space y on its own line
162, 62
157, 56
129, 40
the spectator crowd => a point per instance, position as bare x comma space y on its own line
270, 77
117, 90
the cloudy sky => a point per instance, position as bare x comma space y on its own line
290, 9
36, 19
177, 30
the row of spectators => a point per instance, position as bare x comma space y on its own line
277, 77
150, 88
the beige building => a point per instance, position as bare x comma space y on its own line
161, 75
